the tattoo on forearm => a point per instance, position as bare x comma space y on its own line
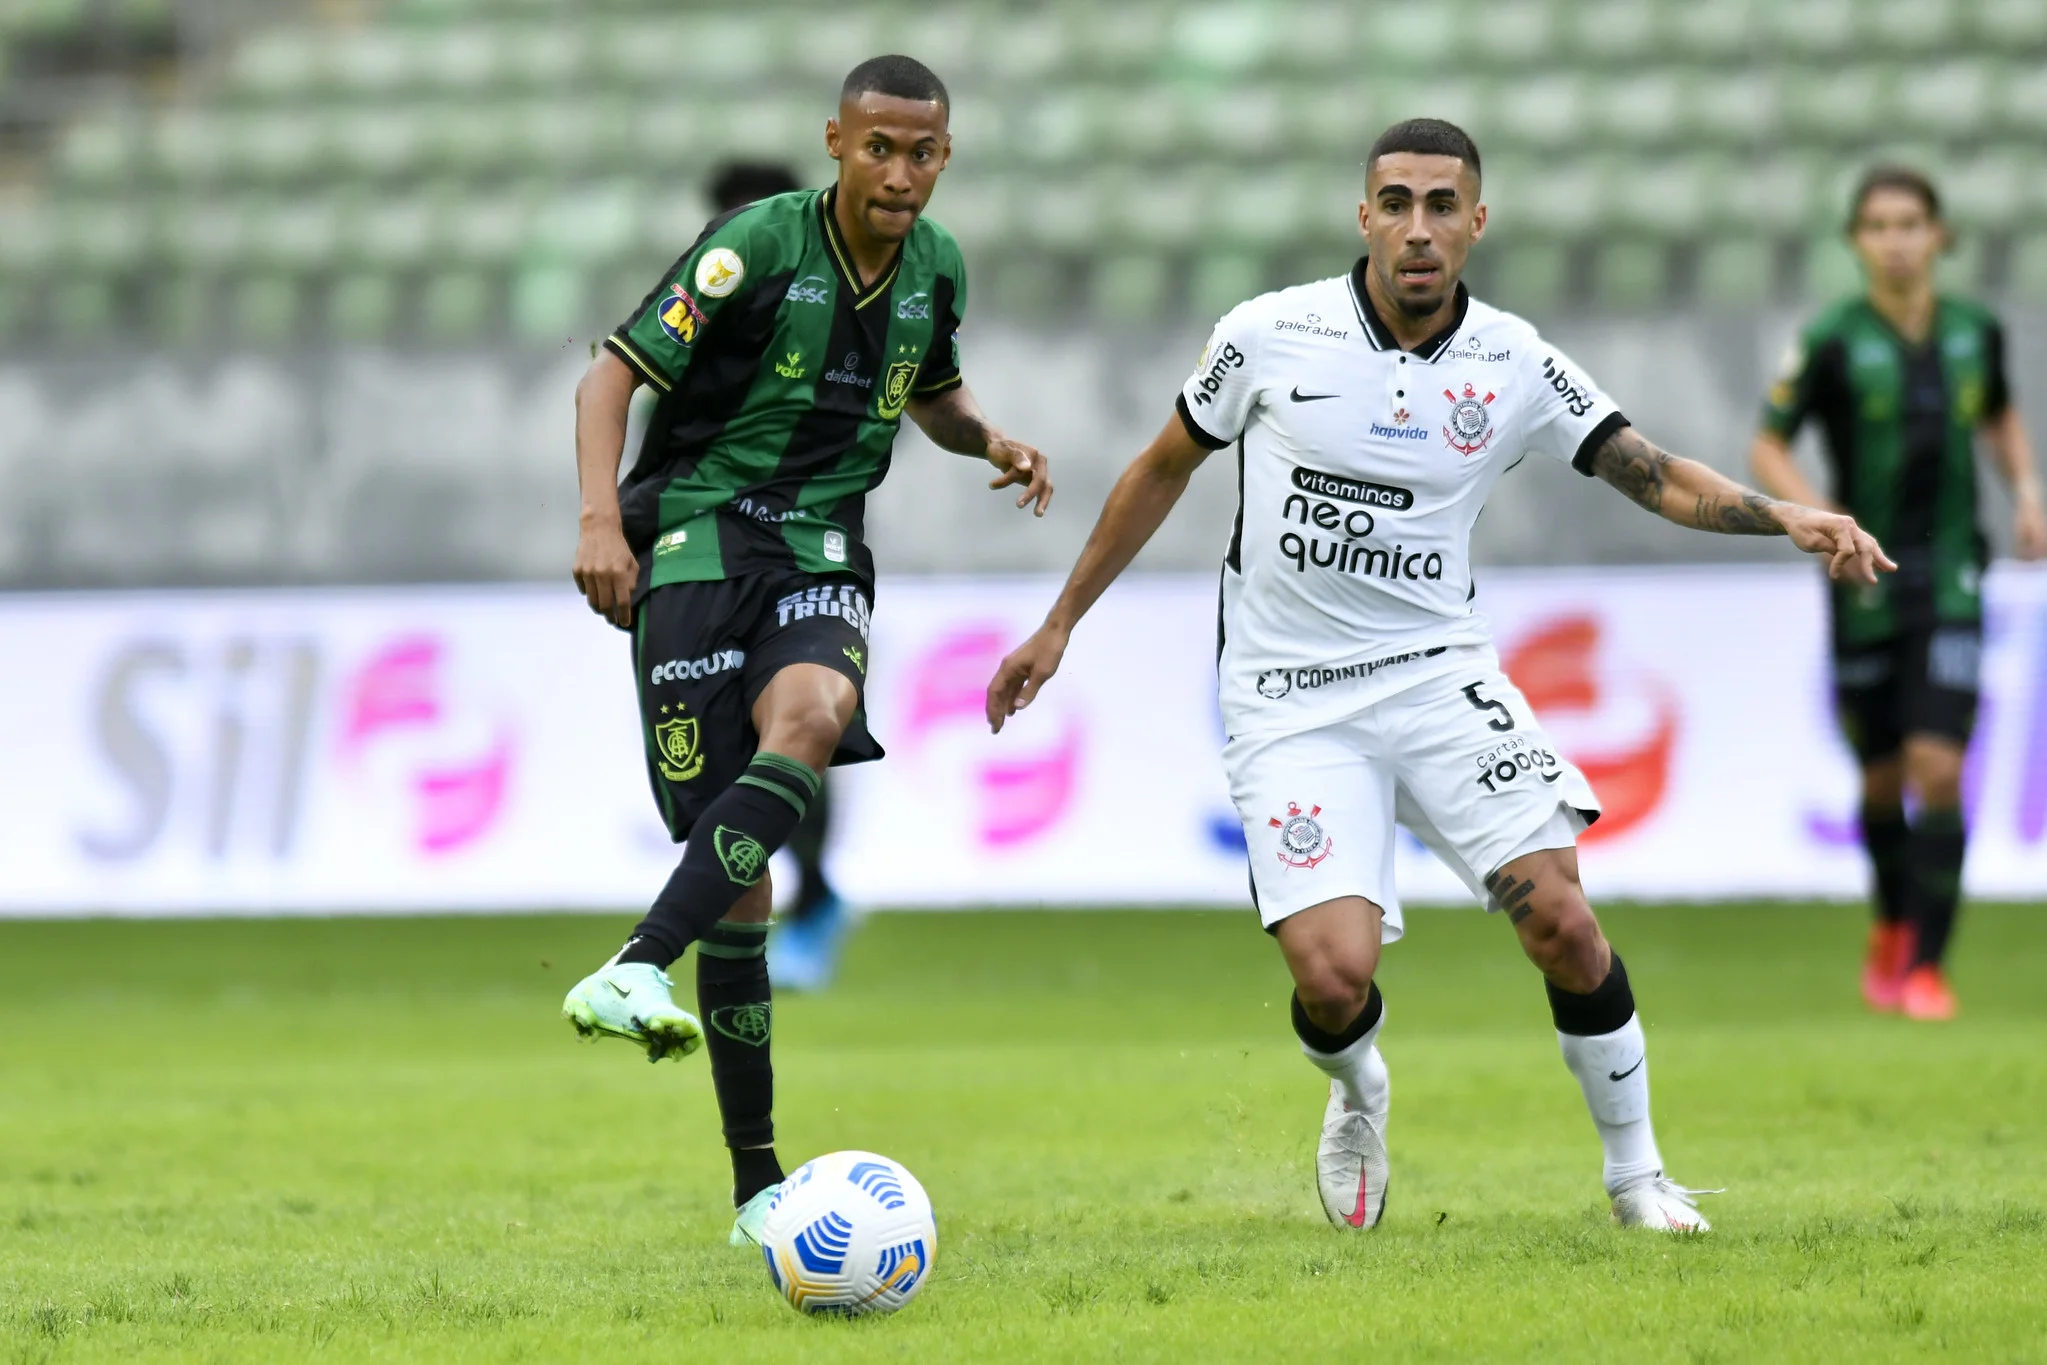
1643, 472
955, 430
1634, 466
1748, 516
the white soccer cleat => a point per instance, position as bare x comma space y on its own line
1661, 1204
1350, 1164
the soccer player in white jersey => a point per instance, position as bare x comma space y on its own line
1371, 414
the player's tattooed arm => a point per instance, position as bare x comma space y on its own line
1681, 490
954, 421
1692, 494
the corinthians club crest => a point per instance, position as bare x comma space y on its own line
1302, 840
1471, 426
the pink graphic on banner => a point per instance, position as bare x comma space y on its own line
1554, 668
950, 680
1022, 798
458, 805
398, 686
401, 688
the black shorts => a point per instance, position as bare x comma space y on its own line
703, 653
1922, 681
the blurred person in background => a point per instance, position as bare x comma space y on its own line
787, 343
803, 948
1903, 380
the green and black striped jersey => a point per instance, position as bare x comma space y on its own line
1900, 422
782, 381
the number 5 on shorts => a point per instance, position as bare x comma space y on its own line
1506, 720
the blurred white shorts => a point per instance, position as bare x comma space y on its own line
1458, 759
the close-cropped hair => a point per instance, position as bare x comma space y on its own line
1426, 137
898, 77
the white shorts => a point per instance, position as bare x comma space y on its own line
1458, 759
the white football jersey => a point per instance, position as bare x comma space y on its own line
1361, 470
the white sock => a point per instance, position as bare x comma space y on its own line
1360, 1070
1613, 1071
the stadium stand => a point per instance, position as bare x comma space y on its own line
507, 170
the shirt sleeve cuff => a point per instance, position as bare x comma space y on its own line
1194, 430
630, 354
1594, 439
951, 381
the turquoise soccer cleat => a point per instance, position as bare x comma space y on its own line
753, 1217
632, 1000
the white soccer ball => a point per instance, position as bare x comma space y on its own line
849, 1233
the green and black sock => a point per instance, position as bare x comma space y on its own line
728, 852
739, 1015
1886, 835
1936, 849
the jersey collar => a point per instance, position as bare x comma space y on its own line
1381, 336
843, 258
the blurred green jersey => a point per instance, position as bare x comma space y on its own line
1900, 422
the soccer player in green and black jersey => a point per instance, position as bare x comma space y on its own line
786, 346
1903, 381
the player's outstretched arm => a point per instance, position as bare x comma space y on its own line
954, 421
1137, 505
2013, 455
1692, 494
605, 572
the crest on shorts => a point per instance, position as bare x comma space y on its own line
895, 388
678, 752
1302, 840
1471, 424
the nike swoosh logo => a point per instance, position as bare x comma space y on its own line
1551, 777
1623, 1075
1300, 397
1357, 1218
622, 991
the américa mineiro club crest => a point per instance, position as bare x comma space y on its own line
676, 748
1471, 425
1302, 840
895, 387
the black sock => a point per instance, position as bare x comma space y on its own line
728, 852
1935, 850
1885, 835
1315, 1037
739, 1014
807, 845
1606, 1008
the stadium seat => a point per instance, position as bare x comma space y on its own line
1615, 32
1131, 288
1517, 32
455, 304
362, 308
1809, 28
1629, 275
1736, 271
1526, 276
266, 309
547, 303
1945, 99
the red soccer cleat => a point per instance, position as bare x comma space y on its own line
1927, 995
1885, 965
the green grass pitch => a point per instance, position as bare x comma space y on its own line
373, 1140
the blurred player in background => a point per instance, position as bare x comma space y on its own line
803, 948
1902, 382
787, 344
1371, 414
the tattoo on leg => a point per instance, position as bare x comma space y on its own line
1511, 896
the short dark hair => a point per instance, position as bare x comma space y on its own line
898, 77
1429, 137
735, 184
1892, 177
